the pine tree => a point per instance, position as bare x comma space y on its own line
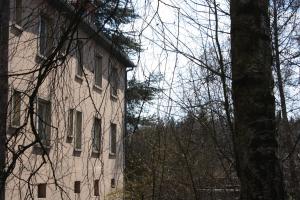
111, 16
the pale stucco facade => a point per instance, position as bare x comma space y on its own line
94, 168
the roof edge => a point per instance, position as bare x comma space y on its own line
62, 5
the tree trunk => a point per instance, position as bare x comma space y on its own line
4, 29
254, 105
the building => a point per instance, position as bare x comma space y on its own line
66, 104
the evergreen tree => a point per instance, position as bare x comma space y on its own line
111, 16
137, 94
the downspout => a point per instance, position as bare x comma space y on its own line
125, 133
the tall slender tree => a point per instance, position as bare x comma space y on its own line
4, 27
287, 20
257, 163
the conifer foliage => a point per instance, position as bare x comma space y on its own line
112, 17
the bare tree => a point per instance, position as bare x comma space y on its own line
283, 27
4, 27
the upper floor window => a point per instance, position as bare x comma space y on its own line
78, 130
71, 123
79, 55
18, 12
75, 128
61, 38
98, 71
44, 121
96, 137
15, 108
113, 80
113, 139
45, 36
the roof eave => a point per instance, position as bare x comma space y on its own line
62, 6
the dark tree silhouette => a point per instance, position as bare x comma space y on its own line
254, 105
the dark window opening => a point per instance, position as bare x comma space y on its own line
42, 190
77, 187
96, 188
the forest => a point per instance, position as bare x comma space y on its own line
210, 108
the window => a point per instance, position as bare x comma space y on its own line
15, 108
96, 135
45, 39
41, 193
61, 37
18, 12
113, 139
98, 70
44, 121
71, 122
78, 130
114, 80
96, 188
77, 187
79, 55
113, 183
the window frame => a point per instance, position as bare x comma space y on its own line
113, 183
76, 132
48, 119
79, 59
77, 187
71, 123
18, 12
113, 139
113, 77
42, 190
12, 108
98, 75
46, 40
61, 32
97, 135
96, 187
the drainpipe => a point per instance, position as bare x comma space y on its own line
125, 132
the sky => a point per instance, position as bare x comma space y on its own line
175, 37
165, 28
